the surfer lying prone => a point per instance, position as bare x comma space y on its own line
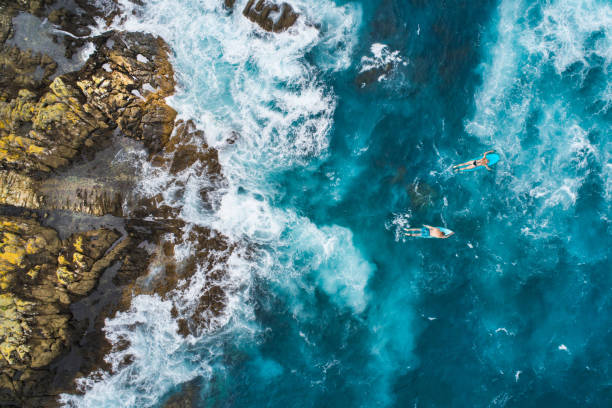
429, 232
472, 164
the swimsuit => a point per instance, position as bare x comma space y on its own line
474, 163
424, 232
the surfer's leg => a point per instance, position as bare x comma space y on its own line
469, 166
462, 164
412, 232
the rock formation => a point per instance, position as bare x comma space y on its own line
68, 213
128, 79
40, 275
264, 14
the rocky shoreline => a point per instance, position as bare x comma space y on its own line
76, 242
55, 180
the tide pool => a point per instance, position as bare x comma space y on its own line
338, 307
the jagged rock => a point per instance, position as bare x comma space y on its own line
5, 26
33, 6
40, 276
80, 260
88, 195
186, 147
19, 190
187, 397
263, 12
38, 135
372, 75
128, 79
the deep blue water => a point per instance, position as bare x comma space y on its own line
341, 309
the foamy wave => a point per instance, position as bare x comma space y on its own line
545, 135
571, 32
236, 77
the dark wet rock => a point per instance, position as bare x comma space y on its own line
187, 147
270, 16
187, 397
23, 69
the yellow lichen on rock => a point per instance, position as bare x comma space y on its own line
64, 275
39, 276
12, 250
57, 125
78, 244
14, 328
35, 244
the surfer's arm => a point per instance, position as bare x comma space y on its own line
488, 168
490, 151
428, 226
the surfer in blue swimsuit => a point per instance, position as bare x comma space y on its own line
427, 231
472, 164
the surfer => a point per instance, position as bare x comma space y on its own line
427, 231
472, 164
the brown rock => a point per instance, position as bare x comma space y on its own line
128, 79
34, 298
38, 135
263, 12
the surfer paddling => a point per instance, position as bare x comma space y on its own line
427, 231
472, 164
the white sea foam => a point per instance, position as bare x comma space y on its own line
397, 225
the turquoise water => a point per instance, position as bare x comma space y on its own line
338, 308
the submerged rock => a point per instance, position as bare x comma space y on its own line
23, 69
421, 194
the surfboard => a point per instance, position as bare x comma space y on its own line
446, 231
492, 157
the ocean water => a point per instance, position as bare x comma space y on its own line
349, 124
